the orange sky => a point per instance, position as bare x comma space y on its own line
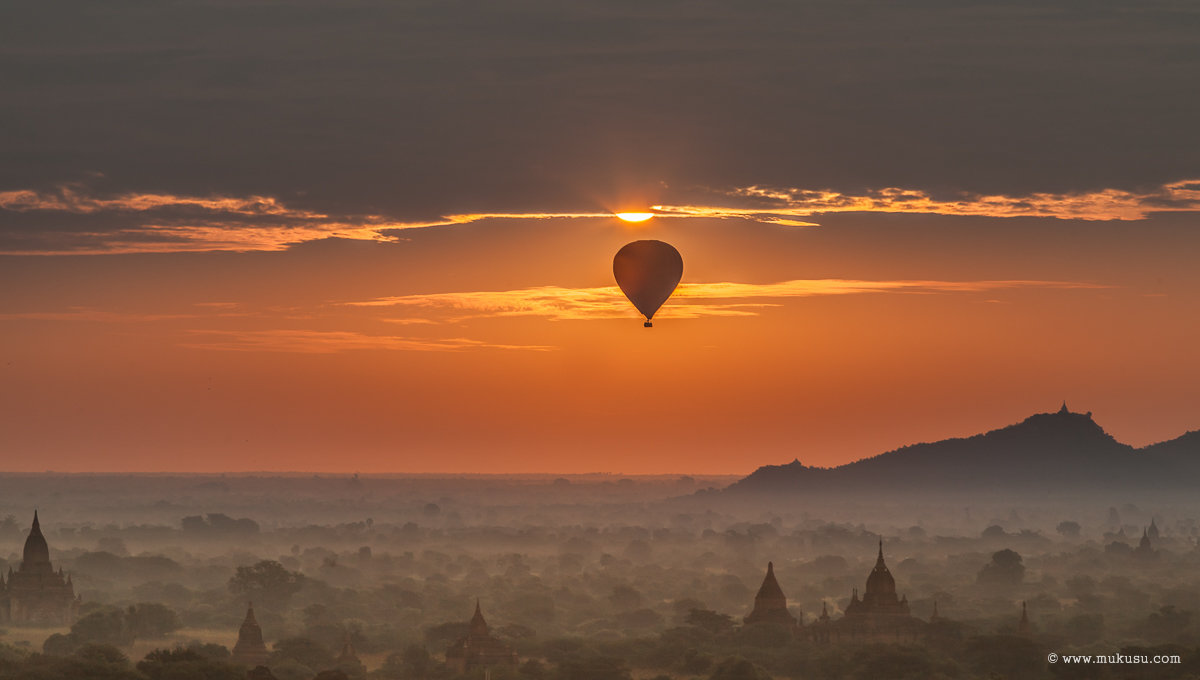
501, 345
377, 236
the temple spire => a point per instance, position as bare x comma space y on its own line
1064, 411
36, 555
478, 624
250, 650
1023, 627
880, 565
348, 655
770, 604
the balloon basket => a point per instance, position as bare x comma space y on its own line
647, 325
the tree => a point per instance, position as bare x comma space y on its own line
765, 634
59, 644
290, 669
303, 651
639, 618
260, 673
414, 663
445, 633
1005, 656
102, 662
1005, 569
1069, 528
738, 668
592, 667
710, 620
1084, 629
623, 597
209, 650
1167, 624
151, 620
106, 626
186, 664
533, 669
267, 582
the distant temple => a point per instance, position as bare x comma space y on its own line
479, 648
878, 616
347, 660
1064, 411
1023, 626
1145, 551
250, 649
770, 604
35, 593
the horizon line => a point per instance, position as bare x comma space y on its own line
350, 475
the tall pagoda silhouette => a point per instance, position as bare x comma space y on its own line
35, 593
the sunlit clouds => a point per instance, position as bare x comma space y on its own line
163, 223
690, 301
329, 342
780, 205
167, 223
75, 199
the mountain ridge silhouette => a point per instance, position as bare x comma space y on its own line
1046, 451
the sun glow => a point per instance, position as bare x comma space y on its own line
635, 216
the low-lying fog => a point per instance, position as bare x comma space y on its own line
590, 576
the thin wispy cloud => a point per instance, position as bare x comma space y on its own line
75, 199
167, 223
783, 205
332, 342
164, 223
205, 236
691, 300
98, 316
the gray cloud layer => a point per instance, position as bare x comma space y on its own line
420, 109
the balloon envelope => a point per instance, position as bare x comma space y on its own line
647, 272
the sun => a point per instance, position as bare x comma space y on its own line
634, 216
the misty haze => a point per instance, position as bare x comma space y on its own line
609, 577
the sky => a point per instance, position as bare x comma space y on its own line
377, 236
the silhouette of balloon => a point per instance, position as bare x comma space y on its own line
647, 272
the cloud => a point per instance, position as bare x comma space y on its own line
163, 223
331, 342
414, 107
166, 223
782, 205
74, 199
691, 300
96, 315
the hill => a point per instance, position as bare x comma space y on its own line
1045, 452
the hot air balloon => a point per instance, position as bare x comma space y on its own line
647, 272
